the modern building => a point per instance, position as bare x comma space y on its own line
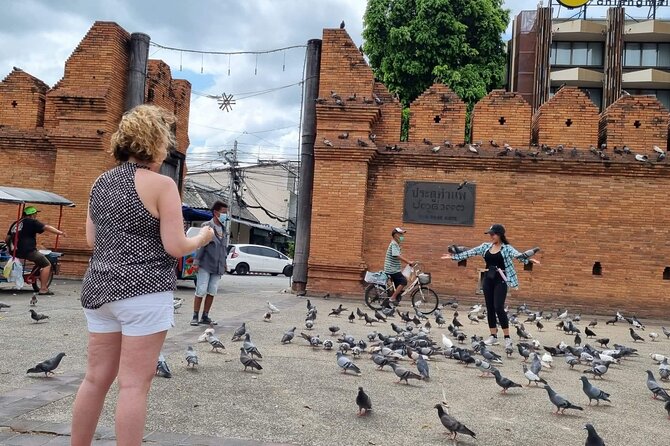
604, 51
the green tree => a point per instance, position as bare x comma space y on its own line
413, 43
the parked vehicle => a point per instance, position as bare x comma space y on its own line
19, 197
245, 259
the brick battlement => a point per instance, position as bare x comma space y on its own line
57, 139
578, 205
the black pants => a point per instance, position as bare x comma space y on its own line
495, 292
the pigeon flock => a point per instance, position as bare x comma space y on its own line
416, 350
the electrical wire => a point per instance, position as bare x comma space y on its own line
225, 53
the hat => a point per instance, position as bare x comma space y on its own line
397, 231
496, 229
30, 210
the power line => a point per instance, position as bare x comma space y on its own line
225, 53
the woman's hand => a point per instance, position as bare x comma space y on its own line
535, 261
446, 256
206, 235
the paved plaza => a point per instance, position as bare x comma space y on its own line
301, 396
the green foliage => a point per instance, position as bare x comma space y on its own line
291, 249
404, 124
413, 43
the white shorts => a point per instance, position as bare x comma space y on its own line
136, 316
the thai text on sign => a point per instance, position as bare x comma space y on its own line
439, 203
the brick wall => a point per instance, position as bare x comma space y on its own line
503, 114
569, 118
640, 122
578, 208
437, 115
79, 115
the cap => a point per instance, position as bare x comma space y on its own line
397, 231
30, 210
496, 229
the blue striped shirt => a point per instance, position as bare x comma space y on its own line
509, 254
392, 263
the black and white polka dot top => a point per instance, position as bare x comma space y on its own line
128, 256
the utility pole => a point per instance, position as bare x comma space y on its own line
232, 161
304, 217
137, 69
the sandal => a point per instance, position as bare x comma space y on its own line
46, 293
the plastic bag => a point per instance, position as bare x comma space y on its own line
16, 275
7, 270
407, 272
378, 278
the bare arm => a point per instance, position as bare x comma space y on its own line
53, 230
172, 223
90, 231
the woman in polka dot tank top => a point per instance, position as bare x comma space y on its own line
136, 230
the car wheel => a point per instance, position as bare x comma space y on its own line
242, 269
274, 274
288, 270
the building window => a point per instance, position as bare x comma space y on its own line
577, 54
647, 55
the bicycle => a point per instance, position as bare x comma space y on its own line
381, 287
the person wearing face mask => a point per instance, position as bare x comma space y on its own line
211, 261
392, 265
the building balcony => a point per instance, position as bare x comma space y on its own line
647, 31
577, 76
650, 78
579, 30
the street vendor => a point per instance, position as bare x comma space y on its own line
211, 261
29, 226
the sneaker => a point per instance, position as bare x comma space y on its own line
205, 320
491, 340
508, 344
194, 321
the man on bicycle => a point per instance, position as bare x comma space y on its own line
392, 265
28, 228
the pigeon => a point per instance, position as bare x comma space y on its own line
333, 329
503, 382
359, 313
523, 352
203, 336
664, 369
47, 366
346, 363
328, 344
363, 402
422, 366
309, 324
589, 333
247, 361
267, 316
403, 374
33, 301
473, 149
241, 331
368, 319
667, 408
337, 311
593, 323
344, 135
578, 340
377, 99
191, 357
352, 317
636, 337
532, 377
656, 390
560, 402
272, 308
379, 316
592, 392
603, 341
327, 143
592, 438
37, 316
435, 149
4, 305
215, 342
539, 325
177, 303
342, 25
162, 368
381, 361
666, 332
653, 336
250, 347
484, 367
288, 336
453, 426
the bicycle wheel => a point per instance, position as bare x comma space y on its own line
374, 296
425, 300
37, 282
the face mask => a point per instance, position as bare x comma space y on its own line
223, 218
401, 238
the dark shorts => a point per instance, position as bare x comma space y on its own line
398, 279
38, 259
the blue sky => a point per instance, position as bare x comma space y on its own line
39, 35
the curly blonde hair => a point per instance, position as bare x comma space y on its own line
143, 133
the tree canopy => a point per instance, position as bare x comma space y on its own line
412, 43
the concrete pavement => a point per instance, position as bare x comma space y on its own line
301, 397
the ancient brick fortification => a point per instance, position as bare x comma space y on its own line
579, 208
57, 139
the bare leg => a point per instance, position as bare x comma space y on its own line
197, 302
44, 278
103, 365
208, 303
397, 292
136, 370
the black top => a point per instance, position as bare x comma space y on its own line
28, 230
496, 260
128, 257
